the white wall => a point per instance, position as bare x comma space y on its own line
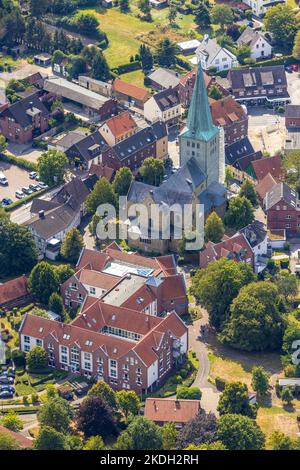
261, 49
152, 373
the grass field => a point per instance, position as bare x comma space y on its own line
277, 419
136, 78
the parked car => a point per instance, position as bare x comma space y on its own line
250, 24
6, 394
9, 388
295, 67
19, 194
34, 187
3, 180
6, 202
37, 178
43, 185
32, 175
6, 380
27, 190
289, 69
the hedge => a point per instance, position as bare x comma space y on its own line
183, 63
19, 161
22, 201
129, 67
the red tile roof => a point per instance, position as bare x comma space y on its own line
97, 279
265, 185
121, 124
227, 111
13, 290
102, 171
272, 165
230, 246
171, 410
22, 441
128, 89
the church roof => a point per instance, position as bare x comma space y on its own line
199, 123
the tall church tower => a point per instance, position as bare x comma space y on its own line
201, 139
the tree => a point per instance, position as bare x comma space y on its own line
7, 442
50, 439
129, 402
64, 272
260, 380
52, 166
145, 8
239, 432
56, 304
240, 212
169, 436
214, 92
102, 193
214, 228
3, 144
38, 8
292, 169
100, 68
255, 322
287, 284
235, 400
286, 395
202, 15
12, 421
296, 47
72, 245
202, 428
141, 434
152, 171
222, 15
166, 53
94, 443
247, 190
188, 393
43, 281
217, 285
172, 14
18, 253
218, 445
55, 413
281, 22
95, 417
122, 181
280, 441
243, 53
103, 390
37, 359
124, 6
146, 57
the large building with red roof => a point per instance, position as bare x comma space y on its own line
14, 292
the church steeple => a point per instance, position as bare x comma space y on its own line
199, 122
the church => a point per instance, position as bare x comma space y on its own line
199, 180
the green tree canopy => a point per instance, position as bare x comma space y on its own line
152, 171
141, 434
217, 285
103, 390
122, 181
287, 395
287, 284
255, 322
72, 245
166, 53
188, 393
52, 166
12, 421
240, 213
221, 14
202, 15
103, 193
169, 436
260, 380
281, 21
37, 359
56, 304
50, 439
95, 417
129, 402
247, 190
296, 47
43, 281
214, 228
239, 432
94, 443
55, 413
235, 400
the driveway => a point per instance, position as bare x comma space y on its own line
17, 178
266, 129
25, 151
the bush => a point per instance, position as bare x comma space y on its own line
18, 161
188, 393
220, 384
19, 358
284, 263
129, 67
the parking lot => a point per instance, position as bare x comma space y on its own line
17, 178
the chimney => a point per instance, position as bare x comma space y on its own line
42, 214
31, 104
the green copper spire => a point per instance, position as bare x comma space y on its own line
199, 122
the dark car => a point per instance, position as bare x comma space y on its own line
6, 394
289, 69
6, 202
8, 388
250, 24
4, 379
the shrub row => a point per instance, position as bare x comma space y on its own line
24, 200
129, 67
183, 63
19, 161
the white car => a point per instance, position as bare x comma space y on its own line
19, 194
32, 175
43, 185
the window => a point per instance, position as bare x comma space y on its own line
113, 368
27, 339
92, 290
26, 347
39, 342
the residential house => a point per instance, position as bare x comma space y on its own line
162, 79
23, 120
232, 116
259, 7
118, 279
272, 165
256, 235
43, 59
259, 85
187, 82
129, 94
92, 103
241, 154
264, 186
163, 106
260, 48
283, 209
103, 88
102, 171
128, 350
14, 292
51, 220
292, 117
118, 128
211, 55
171, 410
86, 150
150, 141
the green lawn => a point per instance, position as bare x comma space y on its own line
277, 419
136, 78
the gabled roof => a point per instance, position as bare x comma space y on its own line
13, 290
210, 48
281, 191
102, 171
265, 185
166, 99
250, 37
255, 77
292, 111
227, 111
235, 247
255, 233
121, 124
138, 93
165, 78
20, 110
272, 165
89, 146
171, 410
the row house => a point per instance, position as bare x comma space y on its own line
259, 85
282, 207
118, 128
129, 94
149, 285
163, 106
24, 120
292, 117
232, 116
138, 357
